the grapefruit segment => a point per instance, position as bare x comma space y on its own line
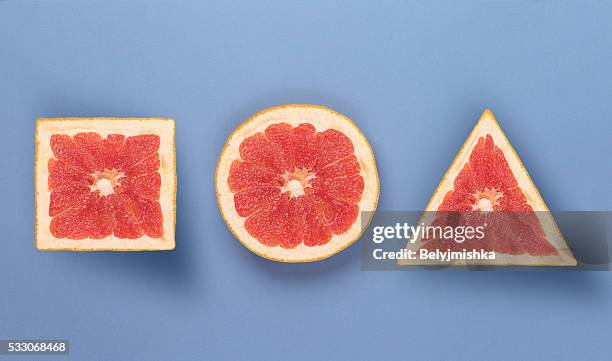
63, 174
487, 185
245, 175
144, 186
105, 184
316, 229
348, 188
279, 136
343, 167
340, 215
253, 199
89, 146
332, 145
148, 165
67, 197
111, 151
304, 146
137, 148
292, 180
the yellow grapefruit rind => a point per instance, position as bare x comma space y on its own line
487, 124
164, 127
322, 118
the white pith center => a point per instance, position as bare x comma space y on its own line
104, 186
484, 204
105, 182
486, 200
295, 188
296, 182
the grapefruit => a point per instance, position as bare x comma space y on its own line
487, 185
292, 181
105, 184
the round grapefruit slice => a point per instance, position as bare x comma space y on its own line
487, 185
296, 183
105, 184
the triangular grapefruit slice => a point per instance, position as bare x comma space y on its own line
292, 181
105, 184
487, 184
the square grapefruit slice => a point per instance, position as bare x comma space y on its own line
105, 184
293, 180
487, 185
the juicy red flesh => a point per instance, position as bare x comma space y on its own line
329, 203
80, 211
511, 225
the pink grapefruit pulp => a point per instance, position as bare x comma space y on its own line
292, 181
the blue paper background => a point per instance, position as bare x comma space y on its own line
414, 75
